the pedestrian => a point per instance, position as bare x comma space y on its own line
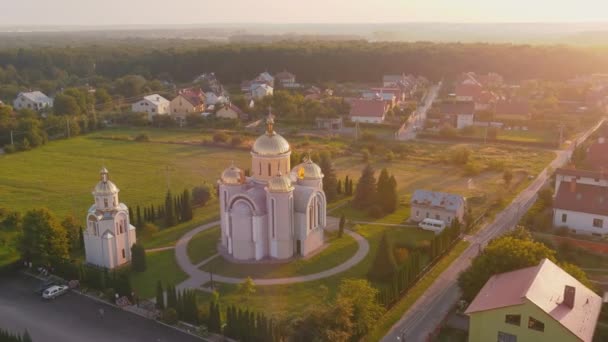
101, 313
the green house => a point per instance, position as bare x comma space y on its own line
540, 303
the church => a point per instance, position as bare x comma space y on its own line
276, 213
109, 236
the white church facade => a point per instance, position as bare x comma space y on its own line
277, 212
109, 235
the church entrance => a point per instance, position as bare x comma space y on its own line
299, 247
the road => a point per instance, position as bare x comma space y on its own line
416, 120
74, 318
430, 309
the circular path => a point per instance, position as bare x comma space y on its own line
197, 277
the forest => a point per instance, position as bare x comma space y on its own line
65, 65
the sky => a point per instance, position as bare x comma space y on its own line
163, 12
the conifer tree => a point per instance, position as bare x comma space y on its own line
152, 213
186, 206
341, 225
139, 220
330, 182
383, 267
131, 215
169, 213
365, 194
339, 187
160, 296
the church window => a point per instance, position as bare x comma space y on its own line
279, 167
291, 225
272, 213
269, 172
114, 202
319, 220
105, 202
225, 199
123, 253
122, 226
260, 169
310, 217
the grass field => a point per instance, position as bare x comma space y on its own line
338, 251
161, 266
293, 299
203, 245
8, 248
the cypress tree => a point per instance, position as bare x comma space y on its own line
152, 213
139, 221
160, 297
330, 182
384, 266
382, 189
131, 215
341, 225
186, 206
169, 213
138, 258
339, 187
365, 194
392, 197
347, 186
146, 215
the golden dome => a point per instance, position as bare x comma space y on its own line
280, 183
232, 175
271, 143
308, 170
105, 186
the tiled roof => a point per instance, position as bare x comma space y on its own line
543, 286
156, 99
457, 107
468, 89
585, 198
194, 96
438, 199
370, 108
597, 155
581, 173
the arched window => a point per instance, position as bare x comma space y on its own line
310, 217
291, 225
319, 214
269, 171
272, 217
225, 200
105, 202
260, 173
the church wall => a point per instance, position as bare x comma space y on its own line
280, 230
242, 235
260, 236
313, 241
226, 193
313, 183
264, 168
93, 252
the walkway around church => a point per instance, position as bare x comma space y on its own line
197, 277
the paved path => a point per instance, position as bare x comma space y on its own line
197, 277
432, 307
159, 249
387, 224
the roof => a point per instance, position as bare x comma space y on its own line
468, 88
543, 285
438, 199
584, 198
370, 108
513, 108
378, 95
597, 155
156, 99
284, 75
392, 78
194, 96
302, 195
457, 107
35, 96
263, 85
580, 173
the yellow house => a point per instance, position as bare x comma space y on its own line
186, 102
540, 303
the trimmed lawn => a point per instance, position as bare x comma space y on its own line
338, 251
161, 266
397, 311
293, 299
203, 245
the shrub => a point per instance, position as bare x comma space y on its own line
169, 316
10, 149
201, 195
472, 168
149, 229
460, 156
448, 131
236, 140
375, 211
220, 137
109, 294
365, 155
142, 137
389, 156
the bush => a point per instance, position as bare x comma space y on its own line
375, 211
236, 140
460, 156
448, 131
365, 155
169, 316
149, 229
110, 295
389, 156
142, 137
10, 149
472, 168
201, 195
220, 137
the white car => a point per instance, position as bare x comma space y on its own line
54, 291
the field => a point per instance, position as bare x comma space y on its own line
203, 245
161, 266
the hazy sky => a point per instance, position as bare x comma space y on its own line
109, 12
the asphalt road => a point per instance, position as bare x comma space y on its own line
432, 307
416, 120
73, 317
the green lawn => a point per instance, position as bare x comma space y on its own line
338, 251
293, 299
397, 311
203, 245
8, 248
161, 266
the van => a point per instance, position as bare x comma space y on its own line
436, 226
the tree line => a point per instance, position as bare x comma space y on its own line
6, 336
378, 197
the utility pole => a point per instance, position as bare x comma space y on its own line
12, 143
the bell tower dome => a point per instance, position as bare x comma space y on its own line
270, 154
105, 192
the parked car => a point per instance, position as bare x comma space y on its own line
54, 291
44, 285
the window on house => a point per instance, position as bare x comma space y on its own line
449, 219
123, 253
513, 319
564, 217
437, 217
505, 337
535, 324
598, 223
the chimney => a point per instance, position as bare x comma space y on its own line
573, 184
569, 294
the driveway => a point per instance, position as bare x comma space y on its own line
74, 318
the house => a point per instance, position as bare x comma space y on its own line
397, 92
286, 79
392, 80
246, 86
513, 110
459, 114
468, 90
368, 111
389, 98
231, 111
334, 124
264, 78
581, 202
261, 90
538, 303
211, 98
153, 105
437, 205
486, 100
189, 100
34, 100
597, 155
